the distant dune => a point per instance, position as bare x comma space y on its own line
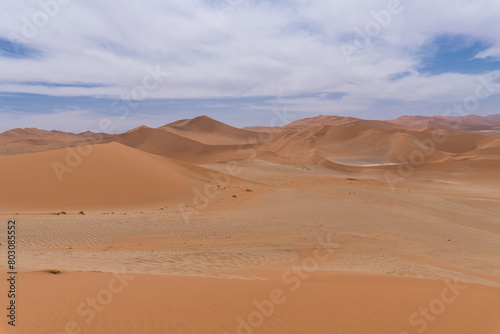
372, 144
176, 146
34, 133
271, 129
209, 131
339, 121
29, 140
469, 123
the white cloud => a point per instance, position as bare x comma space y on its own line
493, 52
242, 48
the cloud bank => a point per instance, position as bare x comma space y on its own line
295, 52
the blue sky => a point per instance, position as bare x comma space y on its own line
70, 64
457, 54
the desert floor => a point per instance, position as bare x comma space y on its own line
295, 251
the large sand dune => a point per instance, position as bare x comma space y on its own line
358, 145
104, 176
209, 131
177, 146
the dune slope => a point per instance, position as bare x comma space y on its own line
93, 177
178, 147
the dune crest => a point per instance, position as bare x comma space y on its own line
209, 131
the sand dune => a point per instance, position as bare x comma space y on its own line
358, 145
468, 123
405, 144
33, 133
270, 129
354, 141
179, 147
205, 140
44, 135
104, 176
209, 131
339, 121
316, 138
29, 140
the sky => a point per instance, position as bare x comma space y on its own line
75, 65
